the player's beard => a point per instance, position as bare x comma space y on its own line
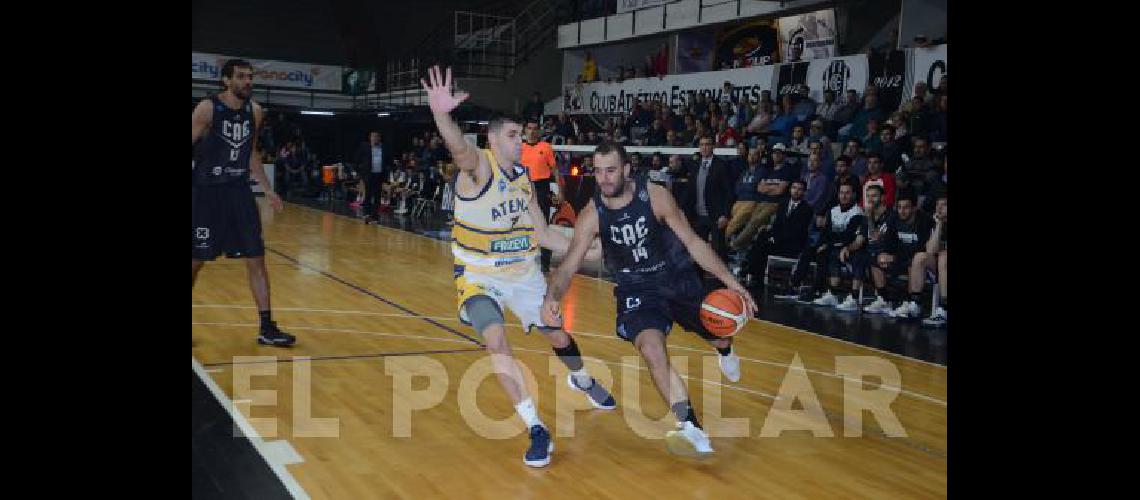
243, 93
619, 188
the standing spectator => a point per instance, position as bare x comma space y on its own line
938, 123
590, 68
877, 177
710, 195
295, 174
872, 141
798, 143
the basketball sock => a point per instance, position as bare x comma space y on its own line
684, 413
724, 351
266, 321
572, 358
528, 413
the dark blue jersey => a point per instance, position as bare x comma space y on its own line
223, 154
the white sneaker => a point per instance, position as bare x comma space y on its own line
730, 366
688, 440
849, 304
827, 300
879, 306
937, 317
908, 309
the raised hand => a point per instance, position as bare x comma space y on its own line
440, 98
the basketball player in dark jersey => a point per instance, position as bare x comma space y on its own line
225, 218
649, 248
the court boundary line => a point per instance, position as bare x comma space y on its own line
291, 485
801, 330
305, 359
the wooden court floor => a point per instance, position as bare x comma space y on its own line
374, 312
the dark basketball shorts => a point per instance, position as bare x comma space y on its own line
658, 307
225, 220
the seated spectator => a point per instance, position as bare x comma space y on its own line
938, 124
846, 113
905, 241
817, 184
747, 195
891, 150
919, 171
783, 123
877, 177
762, 120
408, 188
799, 140
840, 239
872, 141
787, 237
591, 138
858, 162
826, 165
844, 175
772, 186
672, 140
740, 161
805, 105
563, 128
870, 111
920, 93
920, 121
726, 136
659, 171
875, 232
934, 258
656, 135
826, 111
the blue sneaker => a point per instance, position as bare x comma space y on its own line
541, 446
598, 395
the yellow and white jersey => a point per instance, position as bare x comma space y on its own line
493, 232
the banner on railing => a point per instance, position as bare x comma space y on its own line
926, 65
676, 91
267, 72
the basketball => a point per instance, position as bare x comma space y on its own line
722, 312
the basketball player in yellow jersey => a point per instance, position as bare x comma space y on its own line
495, 241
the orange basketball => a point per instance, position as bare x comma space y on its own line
722, 312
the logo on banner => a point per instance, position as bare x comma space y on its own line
836, 76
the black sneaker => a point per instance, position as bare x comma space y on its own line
275, 337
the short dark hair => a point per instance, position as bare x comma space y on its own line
610, 147
496, 122
845, 159
906, 194
228, 67
800, 182
855, 140
888, 127
875, 187
874, 154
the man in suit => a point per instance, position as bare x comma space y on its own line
710, 195
369, 161
788, 235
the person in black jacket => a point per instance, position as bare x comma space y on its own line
788, 235
369, 162
709, 198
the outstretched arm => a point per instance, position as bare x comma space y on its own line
665, 209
